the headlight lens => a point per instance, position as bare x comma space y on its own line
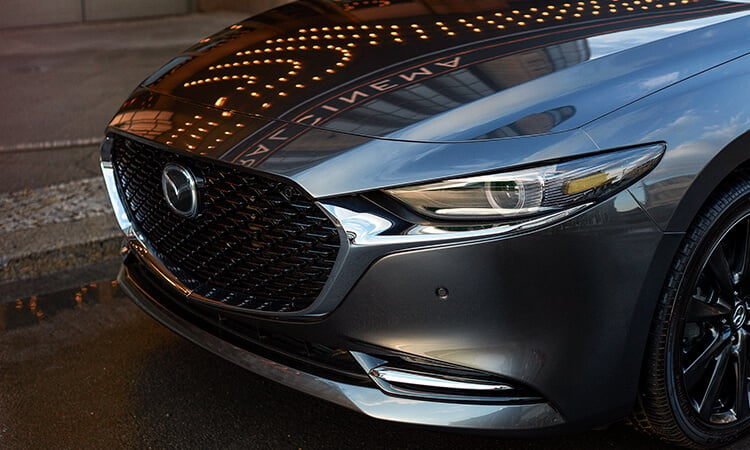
529, 192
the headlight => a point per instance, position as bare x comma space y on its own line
530, 192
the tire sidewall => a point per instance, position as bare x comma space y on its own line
700, 242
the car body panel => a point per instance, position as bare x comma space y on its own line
514, 309
344, 157
533, 76
553, 341
692, 118
535, 119
560, 307
509, 417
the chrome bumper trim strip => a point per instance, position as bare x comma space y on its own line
411, 378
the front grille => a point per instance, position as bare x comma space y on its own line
298, 353
257, 243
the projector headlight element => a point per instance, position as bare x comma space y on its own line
530, 192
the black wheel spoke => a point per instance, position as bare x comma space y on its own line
700, 311
718, 267
703, 363
741, 407
718, 374
702, 381
743, 254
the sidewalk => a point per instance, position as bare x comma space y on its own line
60, 87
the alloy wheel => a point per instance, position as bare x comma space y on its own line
716, 336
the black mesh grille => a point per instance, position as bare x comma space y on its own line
257, 243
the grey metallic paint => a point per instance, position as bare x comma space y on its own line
366, 400
564, 309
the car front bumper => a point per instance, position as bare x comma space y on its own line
561, 311
366, 399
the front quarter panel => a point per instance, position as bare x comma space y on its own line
556, 309
704, 121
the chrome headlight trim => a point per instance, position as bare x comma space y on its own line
368, 229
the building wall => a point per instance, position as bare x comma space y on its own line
24, 13
124, 9
250, 7
20, 13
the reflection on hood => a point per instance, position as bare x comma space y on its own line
417, 71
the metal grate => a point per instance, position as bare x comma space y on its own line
257, 243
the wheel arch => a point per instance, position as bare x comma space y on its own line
732, 158
663, 407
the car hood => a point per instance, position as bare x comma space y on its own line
298, 86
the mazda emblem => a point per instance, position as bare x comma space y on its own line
180, 189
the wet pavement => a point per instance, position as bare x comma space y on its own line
85, 368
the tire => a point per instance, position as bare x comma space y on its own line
694, 389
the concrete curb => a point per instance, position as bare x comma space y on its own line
62, 144
43, 259
56, 228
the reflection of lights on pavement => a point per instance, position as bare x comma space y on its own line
37, 309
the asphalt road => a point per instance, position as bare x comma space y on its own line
87, 369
